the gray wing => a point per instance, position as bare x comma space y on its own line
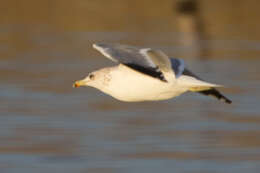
124, 54
178, 66
152, 62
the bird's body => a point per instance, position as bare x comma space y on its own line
144, 75
130, 85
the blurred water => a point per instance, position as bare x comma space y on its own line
47, 126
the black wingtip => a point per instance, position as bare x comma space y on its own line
215, 93
226, 100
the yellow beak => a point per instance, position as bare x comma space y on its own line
78, 83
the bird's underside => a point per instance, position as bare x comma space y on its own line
211, 91
207, 91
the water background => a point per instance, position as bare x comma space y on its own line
48, 126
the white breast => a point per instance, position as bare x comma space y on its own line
127, 84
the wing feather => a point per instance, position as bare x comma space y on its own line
152, 62
124, 54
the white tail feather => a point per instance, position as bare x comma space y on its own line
196, 85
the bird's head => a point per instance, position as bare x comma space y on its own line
97, 79
87, 81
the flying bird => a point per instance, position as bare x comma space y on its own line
145, 74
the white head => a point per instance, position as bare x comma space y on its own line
97, 79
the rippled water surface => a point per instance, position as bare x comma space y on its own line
46, 125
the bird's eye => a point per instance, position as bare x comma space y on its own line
91, 76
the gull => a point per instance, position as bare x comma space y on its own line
145, 74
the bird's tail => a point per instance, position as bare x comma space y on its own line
197, 85
210, 91
205, 88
